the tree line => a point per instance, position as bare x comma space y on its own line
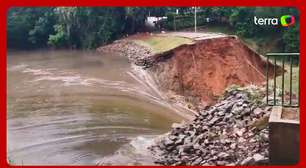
90, 27
241, 21
71, 27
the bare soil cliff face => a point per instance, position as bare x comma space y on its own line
202, 71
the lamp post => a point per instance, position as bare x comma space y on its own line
174, 23
195, 19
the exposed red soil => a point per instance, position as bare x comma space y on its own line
202, 71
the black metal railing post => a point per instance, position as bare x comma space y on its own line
274, 84
283, 71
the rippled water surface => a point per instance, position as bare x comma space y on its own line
81, 107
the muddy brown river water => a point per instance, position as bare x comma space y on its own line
81, 108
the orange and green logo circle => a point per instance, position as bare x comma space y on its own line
287, 20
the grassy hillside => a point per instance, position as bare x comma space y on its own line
163, 43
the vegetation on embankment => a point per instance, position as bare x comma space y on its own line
161, 44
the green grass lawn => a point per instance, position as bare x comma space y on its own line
218, 29
162, 43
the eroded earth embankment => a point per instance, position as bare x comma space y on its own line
202, 71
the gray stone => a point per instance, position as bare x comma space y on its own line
246, 111
258, 157
265, 137
172, 137
209, 117
197, 146
205, 128
241, 140
168, 142
198, 138
187, 147
233, 146
197, 161
176, 125
188, 140
258, 111
213, 152
245, 105
221, 113
264, 161
223, 155
240, 132
206, 142
248, 161
240, 103
203, 113
180, 140
221, 163
268, 108
214, 120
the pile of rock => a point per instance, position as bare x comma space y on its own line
232, 132
137, 54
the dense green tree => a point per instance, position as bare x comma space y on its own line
20, 22
291, 39
59, 39
43, 27
89, 27
136, 17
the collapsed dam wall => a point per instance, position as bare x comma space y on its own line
202, 71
